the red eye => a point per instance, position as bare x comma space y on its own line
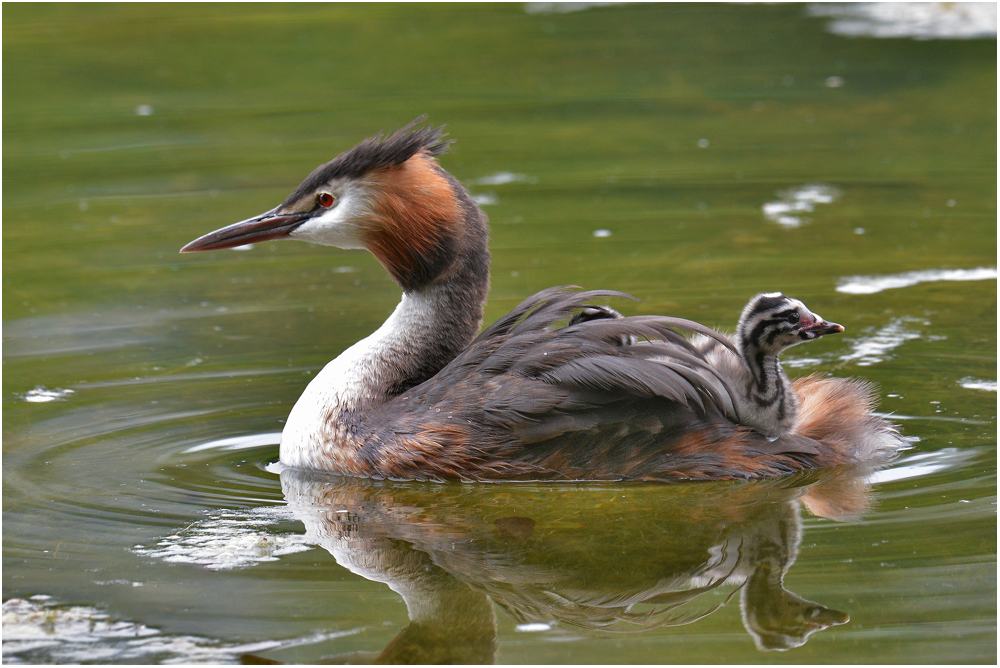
325, 200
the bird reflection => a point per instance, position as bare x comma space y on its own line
602, 557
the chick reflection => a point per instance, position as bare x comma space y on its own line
613, 557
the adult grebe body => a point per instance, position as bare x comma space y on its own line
601, 397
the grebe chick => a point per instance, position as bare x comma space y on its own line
769, 324
604, 397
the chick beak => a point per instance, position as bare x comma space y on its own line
265, 227
822, 327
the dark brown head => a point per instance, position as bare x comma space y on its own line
387, 194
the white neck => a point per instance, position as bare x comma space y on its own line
369, 372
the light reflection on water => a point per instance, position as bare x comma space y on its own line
920, 20
626, 147
792, 204
866, 285
38, 630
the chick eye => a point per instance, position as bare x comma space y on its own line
325, 200
793, 318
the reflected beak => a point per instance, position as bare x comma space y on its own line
822, 327
265, 227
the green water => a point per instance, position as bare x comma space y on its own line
129, 130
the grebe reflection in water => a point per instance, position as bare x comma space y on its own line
603, 558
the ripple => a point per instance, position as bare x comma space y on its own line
873, 349
562, 7
239, 442
229, 539
42, 395
919, 20
485, 199
788, 210
803, 362
37, 630
936, 418
866, 285
501, 178
80, 333
923, 464
977, 384
175, 377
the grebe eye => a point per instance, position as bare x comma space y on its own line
794, 318
325, 200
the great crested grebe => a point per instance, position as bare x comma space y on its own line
603, 397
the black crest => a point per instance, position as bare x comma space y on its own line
377, 152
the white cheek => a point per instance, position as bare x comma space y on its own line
337, 226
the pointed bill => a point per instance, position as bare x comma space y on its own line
265, 227
822, 328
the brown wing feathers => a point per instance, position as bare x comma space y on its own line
530, 400
589, 355
523, 382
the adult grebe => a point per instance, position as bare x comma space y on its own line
604, 397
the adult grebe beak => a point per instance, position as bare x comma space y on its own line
265, 227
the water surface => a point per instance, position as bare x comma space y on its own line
691, 155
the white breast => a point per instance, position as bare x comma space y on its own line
351, 380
